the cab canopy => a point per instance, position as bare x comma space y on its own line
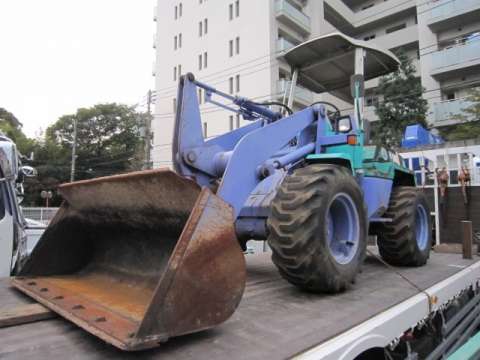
326, 63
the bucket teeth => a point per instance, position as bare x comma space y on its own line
136, 259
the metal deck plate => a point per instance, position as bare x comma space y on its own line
274, 319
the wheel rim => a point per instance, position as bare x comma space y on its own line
343, 228
421, 224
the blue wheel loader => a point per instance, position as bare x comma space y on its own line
139, 258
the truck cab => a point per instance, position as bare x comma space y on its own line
13, 240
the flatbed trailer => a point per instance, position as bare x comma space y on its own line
277, 321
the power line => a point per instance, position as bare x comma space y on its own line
215, 109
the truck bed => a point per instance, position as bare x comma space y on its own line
274, 319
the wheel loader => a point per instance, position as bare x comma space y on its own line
139, 258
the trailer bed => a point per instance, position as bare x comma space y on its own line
274, 319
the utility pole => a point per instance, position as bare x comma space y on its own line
148, 131
74, 150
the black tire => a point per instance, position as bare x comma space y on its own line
298, 228
397, 240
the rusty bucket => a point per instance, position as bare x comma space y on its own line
136, 259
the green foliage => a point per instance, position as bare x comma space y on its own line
402, 104
24, 144
11, 126
108, 142
7, 116
470, 126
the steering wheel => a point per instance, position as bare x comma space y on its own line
331, 114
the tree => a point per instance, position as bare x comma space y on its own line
8, 117
108, 139
470, 118
108, 142
12, 128
402, 104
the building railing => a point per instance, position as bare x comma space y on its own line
457, 54
443, 9
284, 8
283, 45
40, 214
451, 109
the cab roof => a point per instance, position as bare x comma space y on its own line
326, 63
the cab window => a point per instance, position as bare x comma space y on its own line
3, 198
2, 201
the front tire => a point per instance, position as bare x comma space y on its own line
406, 241
318, 228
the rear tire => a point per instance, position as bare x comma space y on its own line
318, 228
406, 241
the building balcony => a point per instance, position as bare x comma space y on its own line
283, 45
342, 16
302, 97
449, 14
450, 112
398, 38
292, 17
457, 59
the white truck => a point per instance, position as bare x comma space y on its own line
14, 241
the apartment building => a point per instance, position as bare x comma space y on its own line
237, 46
449, 41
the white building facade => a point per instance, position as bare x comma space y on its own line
237, 46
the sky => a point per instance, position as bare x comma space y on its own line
59, 55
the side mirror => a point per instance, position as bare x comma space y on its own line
28, 171
344, 125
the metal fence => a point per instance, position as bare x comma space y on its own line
43, 215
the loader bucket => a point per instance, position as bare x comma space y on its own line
136, 259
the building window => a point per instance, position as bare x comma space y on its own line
205, 60
396, 28
174, 105
174, 73
176, 12
231, 122
230, 50
371, 100
237, 81
200, 28
205, 26
230, 12
237, 45
179, 40
180, 10
200, 62
451, 96
205, 130
175, 42
230, 83
238, 121
237, 8
179, 71
369, 37
200, 97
